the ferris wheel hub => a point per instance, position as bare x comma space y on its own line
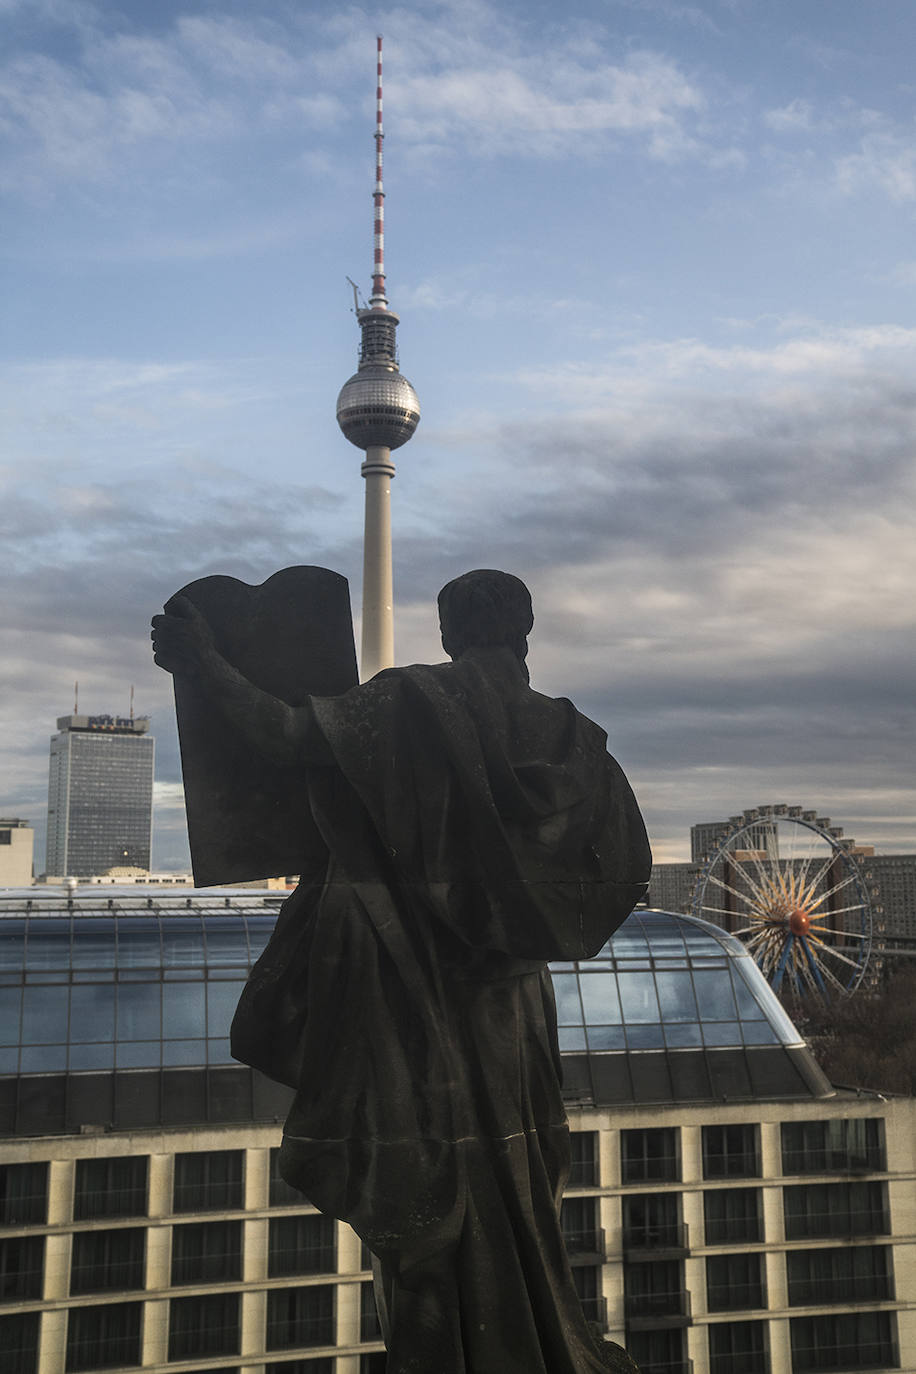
799, 921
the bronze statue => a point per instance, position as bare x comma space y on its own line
471, 829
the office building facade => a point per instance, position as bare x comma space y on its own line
100, 795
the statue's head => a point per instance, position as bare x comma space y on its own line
485, 609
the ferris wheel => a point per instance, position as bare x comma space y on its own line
796, 893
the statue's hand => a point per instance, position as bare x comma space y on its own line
182, 639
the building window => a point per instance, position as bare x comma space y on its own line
323, 1365
738, 1345
733, 1216
302, 1245
855, 1273
583, 1167
23, 1194
658, 1352
100, 1337
21, 1267
19, 1342
282, 1194
837, 1146
587, 1280
835, 1209
208, 1182
734, 1280
651, 1222
107, 1259
650, 1156
578, 1219
843, 1340
110, 1187
373, 1362
207, 1325
300, 1316
655, 1289
207, 1252
731, 1151
370, 1328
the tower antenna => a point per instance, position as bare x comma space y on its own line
378, 297
378, 411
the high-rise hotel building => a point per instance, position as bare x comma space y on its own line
100, 795
728, 1209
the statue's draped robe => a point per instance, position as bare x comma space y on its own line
473, 833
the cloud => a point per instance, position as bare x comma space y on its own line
885, 161
797, 116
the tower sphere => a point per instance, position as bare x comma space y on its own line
377, 407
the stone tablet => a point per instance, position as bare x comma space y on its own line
292, 636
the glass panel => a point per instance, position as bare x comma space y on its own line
675, 996
683, 1035
92, 1012
599, 998
222, 1000
139, 1054
44, 1058
9, 1060
44, 1015
260, 929
178, 1053
629, 943
637, 995
85, 1058
605, 1038
759, 1033
645, 1037
714, 994
566, 991
139, 1006
227, 941
571, 1038
774, 1011
183, 1010
10, 1006
219, 1052
721, 1033
749, 1009
138, 942
12, 937
93, 944
48, 943
182, 942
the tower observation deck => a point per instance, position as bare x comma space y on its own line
378, 411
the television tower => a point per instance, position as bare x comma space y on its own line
378, 411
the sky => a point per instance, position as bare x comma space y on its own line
655, 265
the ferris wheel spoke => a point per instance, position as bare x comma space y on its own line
837, 911
837, 887
726, 911
726, 887
833, 953
831, 930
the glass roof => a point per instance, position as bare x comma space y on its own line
128, 979
666, 981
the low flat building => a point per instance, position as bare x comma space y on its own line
727, 1210
17, 848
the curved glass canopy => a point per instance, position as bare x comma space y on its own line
123, 980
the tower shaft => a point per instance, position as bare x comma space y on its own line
377, 649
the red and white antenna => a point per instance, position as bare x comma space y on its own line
378, 300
